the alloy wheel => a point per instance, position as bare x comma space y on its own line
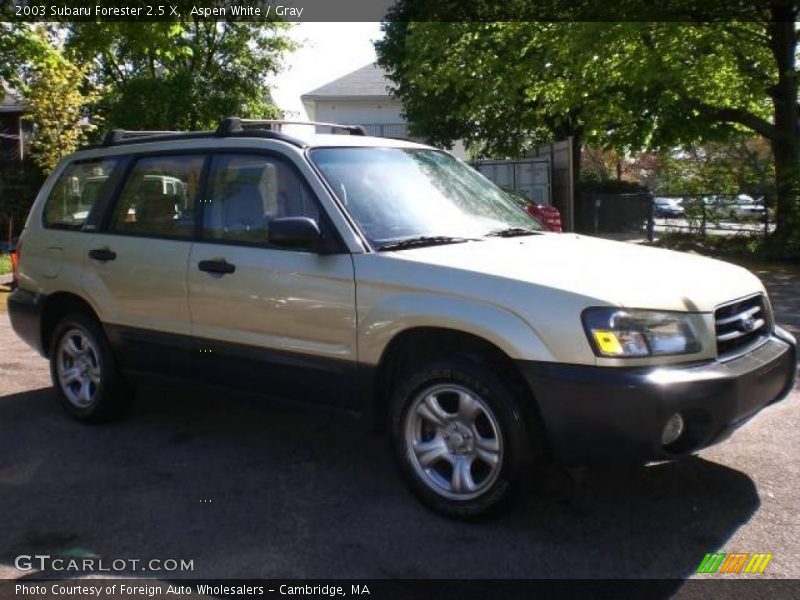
78, 366
454, 441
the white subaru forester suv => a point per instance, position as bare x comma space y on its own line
387, 279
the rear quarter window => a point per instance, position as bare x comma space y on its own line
76, 193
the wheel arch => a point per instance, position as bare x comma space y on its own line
499, 326
55, 307
416, 345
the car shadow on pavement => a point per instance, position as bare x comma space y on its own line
247, 488
783, 283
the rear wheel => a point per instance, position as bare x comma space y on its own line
460, 438
84, 372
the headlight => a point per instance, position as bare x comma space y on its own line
617, 332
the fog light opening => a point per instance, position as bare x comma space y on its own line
673, 430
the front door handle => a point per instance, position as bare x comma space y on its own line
216, 266
102, 254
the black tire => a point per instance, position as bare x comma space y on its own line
505, 404
111, 396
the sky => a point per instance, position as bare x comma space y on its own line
327, 51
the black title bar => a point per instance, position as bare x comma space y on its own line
398, 589
391, 10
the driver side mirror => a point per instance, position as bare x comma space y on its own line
300, 233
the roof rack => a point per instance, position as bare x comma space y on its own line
115, 136
229, 127
237, 125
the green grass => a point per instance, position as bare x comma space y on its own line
5, 264
736, 247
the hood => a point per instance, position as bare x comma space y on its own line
616, 273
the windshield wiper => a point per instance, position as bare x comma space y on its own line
422, 241
512, 232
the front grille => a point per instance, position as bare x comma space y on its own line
740, 323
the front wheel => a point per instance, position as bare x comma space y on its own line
460, 438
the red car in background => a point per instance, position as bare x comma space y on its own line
546, 214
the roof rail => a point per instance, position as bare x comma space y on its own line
237, 125
120, 137
115, 136
229, 127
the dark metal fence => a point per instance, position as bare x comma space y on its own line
648, 215
614, 213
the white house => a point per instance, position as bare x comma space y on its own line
361, 98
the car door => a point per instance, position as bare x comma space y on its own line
137, 263
275, 319
57, 253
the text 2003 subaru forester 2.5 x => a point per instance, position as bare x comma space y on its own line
388, 279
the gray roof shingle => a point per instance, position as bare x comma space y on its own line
368, 81
11, 101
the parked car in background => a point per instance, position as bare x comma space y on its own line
745, 207
664, 207
546, 214
741, 207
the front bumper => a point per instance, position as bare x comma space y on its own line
605, 414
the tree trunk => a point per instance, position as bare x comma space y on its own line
577, 146
787, 184
786, 142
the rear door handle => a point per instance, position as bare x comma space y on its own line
102, 254
216, 266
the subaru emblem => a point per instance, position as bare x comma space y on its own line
748, 324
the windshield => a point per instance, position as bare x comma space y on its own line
396, 194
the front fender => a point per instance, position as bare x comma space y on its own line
380, 323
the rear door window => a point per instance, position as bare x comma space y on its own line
77, 191
158, 197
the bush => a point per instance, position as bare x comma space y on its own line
743, 247
5, 264
611, 186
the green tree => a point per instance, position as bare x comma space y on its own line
186, 74
506, 86
742, 165
56, 91
34, 65
22, 46
57, 98
8, 36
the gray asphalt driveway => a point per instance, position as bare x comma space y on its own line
246, 488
